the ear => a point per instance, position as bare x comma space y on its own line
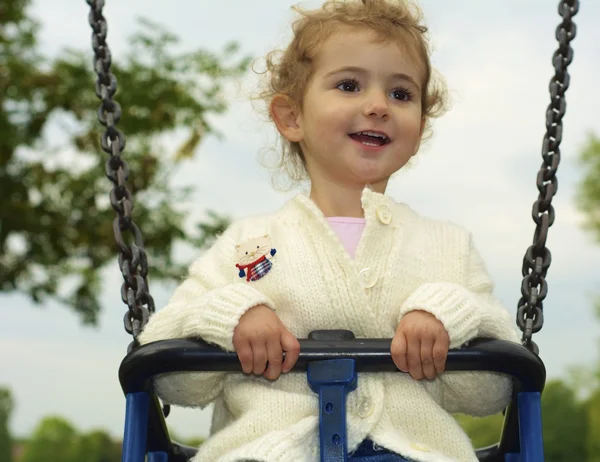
286, 115
237, 246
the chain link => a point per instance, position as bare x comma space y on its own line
534, 288
132, 258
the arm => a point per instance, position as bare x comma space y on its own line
467, 311
207, 305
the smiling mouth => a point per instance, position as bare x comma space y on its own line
370, 138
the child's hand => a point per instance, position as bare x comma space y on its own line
261, 337
420, 345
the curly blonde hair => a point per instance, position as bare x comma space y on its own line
289, 71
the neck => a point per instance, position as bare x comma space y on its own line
337, 200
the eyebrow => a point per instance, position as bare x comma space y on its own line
360, 70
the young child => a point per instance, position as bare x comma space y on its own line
351, 96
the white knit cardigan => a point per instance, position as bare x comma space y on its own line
403, 262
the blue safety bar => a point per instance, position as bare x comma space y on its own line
331, 360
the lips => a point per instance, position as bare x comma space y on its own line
370, 138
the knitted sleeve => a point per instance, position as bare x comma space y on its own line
468, 311
208, 304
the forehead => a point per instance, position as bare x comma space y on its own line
350, 47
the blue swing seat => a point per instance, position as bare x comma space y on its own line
331, 360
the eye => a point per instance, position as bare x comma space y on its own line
246, 253
348, 86
401, 94
258, 246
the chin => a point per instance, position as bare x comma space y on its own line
373, 167
372, 179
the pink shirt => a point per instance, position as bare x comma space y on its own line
349, 230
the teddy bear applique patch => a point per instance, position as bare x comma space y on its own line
252, 258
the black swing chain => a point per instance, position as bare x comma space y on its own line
537, 259
132, 258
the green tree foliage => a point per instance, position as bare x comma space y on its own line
97, 446
569, 425
6, 407
483, 431
57, 440
55, 219
592, 407
589, 187
565, 424
589, 203
53, 439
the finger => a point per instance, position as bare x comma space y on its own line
244, 353
440, 353
427, 357
274, 357
398, 351
413, 355
259, 355
291, 346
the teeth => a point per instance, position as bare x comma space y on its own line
377, 135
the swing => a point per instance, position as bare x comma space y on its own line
331, 359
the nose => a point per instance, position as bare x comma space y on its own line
376, 105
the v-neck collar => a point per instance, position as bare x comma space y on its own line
379, 233
371, 201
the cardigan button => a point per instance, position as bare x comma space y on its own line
365, 408
367, 278
384, 214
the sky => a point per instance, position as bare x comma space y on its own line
478, 170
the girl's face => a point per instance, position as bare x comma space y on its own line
361, 117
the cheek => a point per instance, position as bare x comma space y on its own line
410, 125
328, 119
